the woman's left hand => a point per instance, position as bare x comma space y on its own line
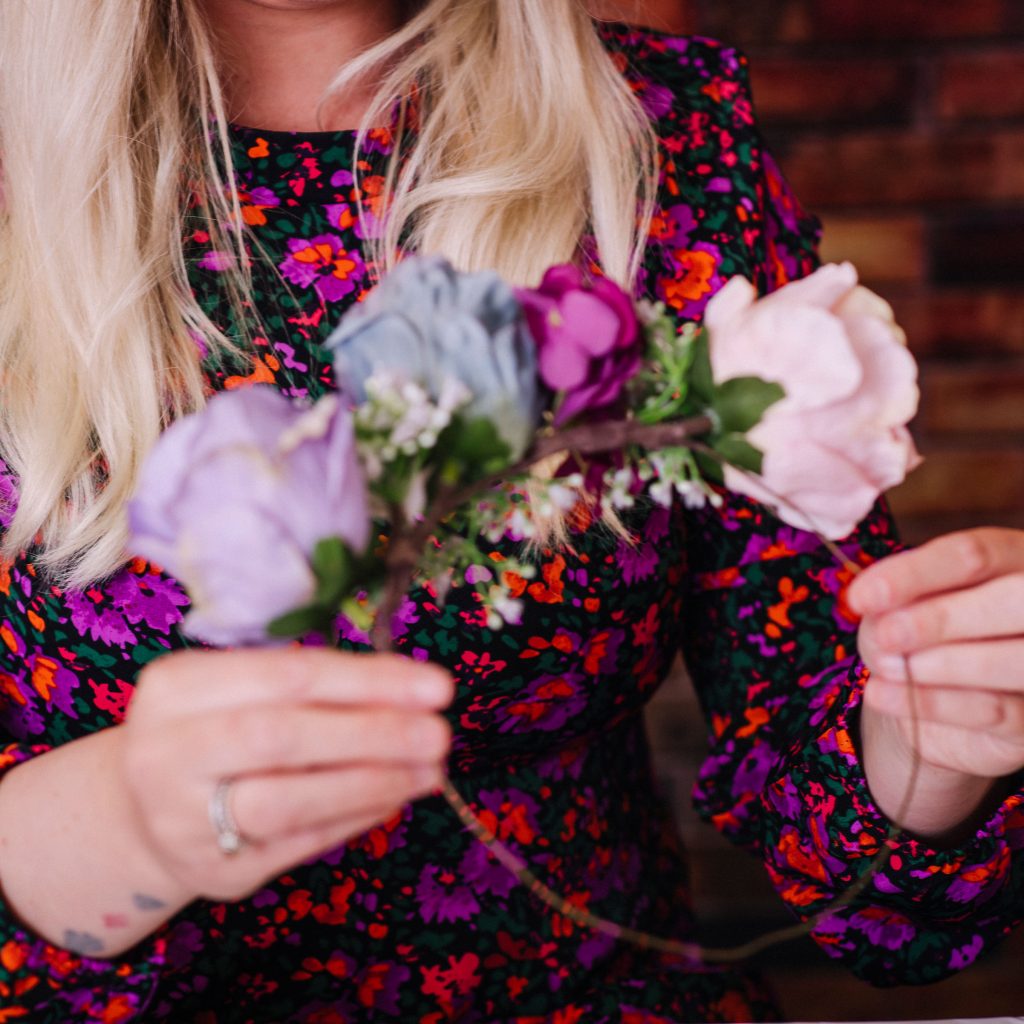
954, 609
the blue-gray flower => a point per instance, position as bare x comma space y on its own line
427, 322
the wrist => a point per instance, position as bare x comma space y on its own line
74, 868
937, 804
125, 805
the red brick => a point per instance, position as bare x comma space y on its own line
986, 84
855, 89
979, 248
887, 168
972, 399
666, 15
963, 322
864, 20
770, 22
885, 250
975, 482
756, 24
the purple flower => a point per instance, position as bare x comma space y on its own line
885, 928
104, 625
964, 956
442, 898
588, 338
636, 561
484, 874
324, 263
150, 599
547, 704
184, 942
8, 495
657, 100
250, 478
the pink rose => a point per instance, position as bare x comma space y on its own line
838, 438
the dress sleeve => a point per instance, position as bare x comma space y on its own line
772, 649
41, 982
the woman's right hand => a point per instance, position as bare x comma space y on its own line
321, 745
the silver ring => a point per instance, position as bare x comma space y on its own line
229, 839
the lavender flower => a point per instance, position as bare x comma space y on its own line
211, 501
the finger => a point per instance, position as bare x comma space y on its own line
989, 610
996, 665
203, 681
267, 808
266, 738
983, 711
947, 563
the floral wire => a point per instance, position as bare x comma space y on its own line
401, 576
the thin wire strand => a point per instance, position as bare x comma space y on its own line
694, 951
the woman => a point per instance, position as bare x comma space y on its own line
257, 838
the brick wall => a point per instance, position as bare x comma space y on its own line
901, 124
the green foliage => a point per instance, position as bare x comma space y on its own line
740, 403
677, 381
312, 618
661, 390
475, 446
333, 567
738, 452
340, 574
701, 379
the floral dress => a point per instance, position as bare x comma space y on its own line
414, 921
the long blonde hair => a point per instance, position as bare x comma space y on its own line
528, 138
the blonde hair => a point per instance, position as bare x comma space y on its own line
527, 140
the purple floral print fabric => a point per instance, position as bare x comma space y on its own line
413, 921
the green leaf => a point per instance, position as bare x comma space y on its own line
742, 401
477, 444
311, 619
710, 468
331, 558
739, 452
333, 567
702, 382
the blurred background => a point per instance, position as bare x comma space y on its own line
901, 124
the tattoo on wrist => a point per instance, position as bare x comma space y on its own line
144, 902
83, 943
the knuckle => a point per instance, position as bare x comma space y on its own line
974, 553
